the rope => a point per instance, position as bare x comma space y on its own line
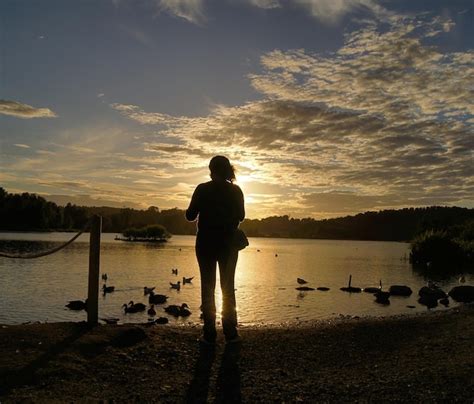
47, 252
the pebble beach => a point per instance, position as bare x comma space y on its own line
413, 358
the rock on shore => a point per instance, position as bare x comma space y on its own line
463, 293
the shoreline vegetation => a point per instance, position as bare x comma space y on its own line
140, 240
453, 249
154, 233
424, 357
30, 212
442, 238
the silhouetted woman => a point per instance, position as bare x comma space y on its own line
219, 207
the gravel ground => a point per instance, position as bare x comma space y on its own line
419, 358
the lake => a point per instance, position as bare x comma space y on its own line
37, 289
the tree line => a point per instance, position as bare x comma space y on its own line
386, 225
30, 212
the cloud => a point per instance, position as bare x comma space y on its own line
176, 149
327, 11
48, 152
66, 184
25, 111
332, 10
190, 10
386, 121
267, 4
391, 73
22, 146
134, 112
109, 164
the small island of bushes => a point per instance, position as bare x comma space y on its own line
449, 250
152, 233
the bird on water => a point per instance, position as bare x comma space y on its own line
176, 285
187, 280
77, 305
147, 290
178, 311
107, 289
151, 311
157, 299
133, 307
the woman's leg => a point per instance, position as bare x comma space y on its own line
207, 267
227, 263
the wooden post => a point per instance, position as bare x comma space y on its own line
94, 269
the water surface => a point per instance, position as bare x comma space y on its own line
38, 289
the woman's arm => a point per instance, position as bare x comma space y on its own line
193, 209
241, 205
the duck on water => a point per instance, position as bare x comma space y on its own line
176, 285
157, 299
77, 305
133, 307
107, 289
178, 311
147, 290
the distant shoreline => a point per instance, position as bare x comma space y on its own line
140, 240
193, 235
399, 225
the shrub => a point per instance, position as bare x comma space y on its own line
156, 231
435, 248
152, 232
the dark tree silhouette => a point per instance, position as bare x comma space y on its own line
31, 212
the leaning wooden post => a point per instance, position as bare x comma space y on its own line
94, 269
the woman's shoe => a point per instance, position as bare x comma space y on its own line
234, 340
207, 341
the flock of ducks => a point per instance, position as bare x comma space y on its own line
153, 300
429, 295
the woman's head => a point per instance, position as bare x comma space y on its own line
221, 169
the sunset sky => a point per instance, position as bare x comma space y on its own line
325, 107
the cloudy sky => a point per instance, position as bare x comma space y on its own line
325, 107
